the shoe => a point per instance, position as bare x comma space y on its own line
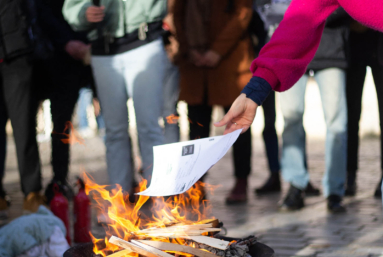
33, 201
311, 190
350, 189
334, 204
64, 188
272, 185
378, 191
238, 194
4, 208
293, 201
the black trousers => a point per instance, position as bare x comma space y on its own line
270, 137
18, 103
59, 80
364, 52
200, 118
3, 147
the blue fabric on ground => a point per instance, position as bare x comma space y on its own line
27, 231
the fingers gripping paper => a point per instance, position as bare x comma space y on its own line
178, 166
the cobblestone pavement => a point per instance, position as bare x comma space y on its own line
309, 232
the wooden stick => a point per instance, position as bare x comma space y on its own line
177, 227
177, 248
186, 231
152, 249
120, 253
213, 242
131, 247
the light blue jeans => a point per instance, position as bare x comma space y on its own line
84, 100
138, 73
171, 93
294, 166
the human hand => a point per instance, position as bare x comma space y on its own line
95, 13
240, 116
77, 49
196, 58
211, 58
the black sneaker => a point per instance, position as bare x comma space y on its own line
294, 200
272, 185
311, 190
64, 188
334, 204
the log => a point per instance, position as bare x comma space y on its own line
152, 249
177, 248
131, 247
213, 242
172, 228
185, 231
120, 253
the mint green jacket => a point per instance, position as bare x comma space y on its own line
121, 16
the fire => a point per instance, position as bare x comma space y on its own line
127, 219
73, 137
172, 119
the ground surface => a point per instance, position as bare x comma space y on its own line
309, 232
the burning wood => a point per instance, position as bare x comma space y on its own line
179, 225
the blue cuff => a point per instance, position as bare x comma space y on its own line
257, 90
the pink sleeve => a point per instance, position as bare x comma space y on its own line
284, 59
367, 12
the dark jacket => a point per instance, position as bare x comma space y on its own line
333, 48
14, 23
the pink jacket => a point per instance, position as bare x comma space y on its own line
284, 59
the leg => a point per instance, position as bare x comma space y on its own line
171, 92
356, 74
293, 160
333, 95
84, 100
3, 140
270, 137
66, 81
21, 106
113, 97
199, 121
378, 80
146, 87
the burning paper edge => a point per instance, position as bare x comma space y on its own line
235, 133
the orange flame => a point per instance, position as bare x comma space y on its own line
127, 219
172, 119
73, 137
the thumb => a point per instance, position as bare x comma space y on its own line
228, 117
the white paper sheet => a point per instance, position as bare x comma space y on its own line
178, 166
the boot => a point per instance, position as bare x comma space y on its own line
272, 185
238, 194
334, 204
32, 202
294, 200
311, 190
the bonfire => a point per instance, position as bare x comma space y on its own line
174, 226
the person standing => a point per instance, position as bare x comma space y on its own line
127, 61
215, 52
17, 101
366, 50
328, 67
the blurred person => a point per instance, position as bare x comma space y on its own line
293, 45
171, 78
85, 100
128, 60
328, 69
17, 101
366, 50
59, 78
215, 52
